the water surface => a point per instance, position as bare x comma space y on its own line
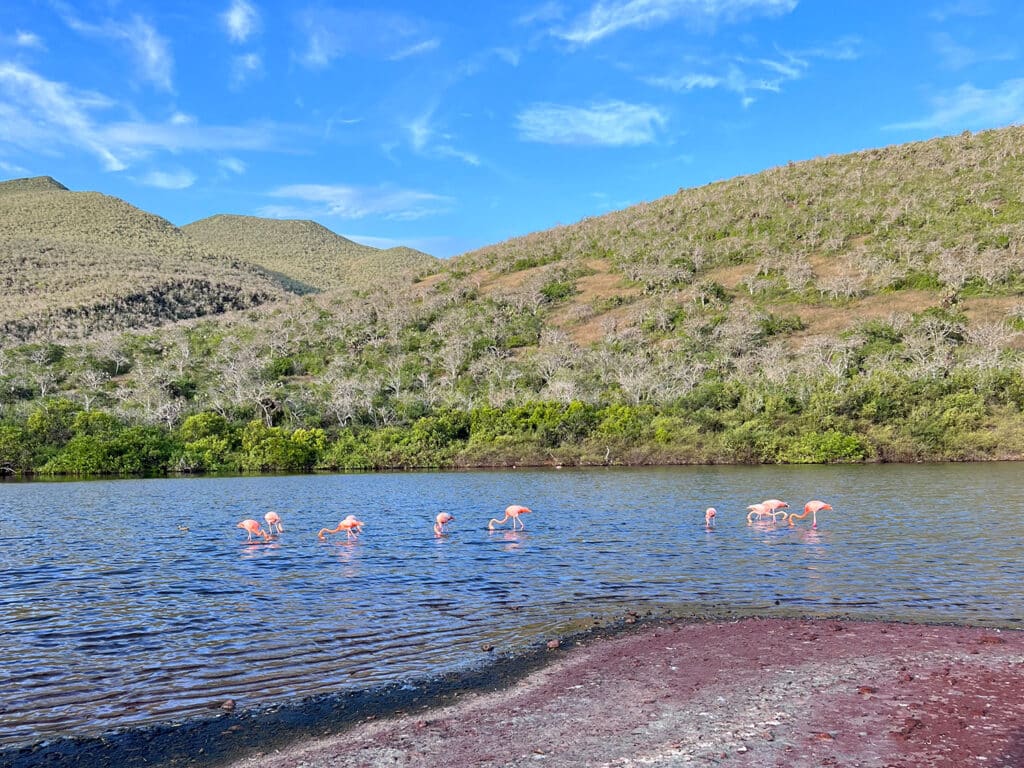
112, 616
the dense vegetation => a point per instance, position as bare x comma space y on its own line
857, 308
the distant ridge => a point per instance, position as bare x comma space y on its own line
80, 262
305, 251
34, 184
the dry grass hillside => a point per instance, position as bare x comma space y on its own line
308, 255
868, 306
79, 262
836, 241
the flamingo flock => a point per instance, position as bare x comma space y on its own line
773, 510
769, 510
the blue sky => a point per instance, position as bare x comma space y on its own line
451, 125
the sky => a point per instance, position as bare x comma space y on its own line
447, 126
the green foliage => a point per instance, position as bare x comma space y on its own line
823, 448
774, 325
15, 450
274, 449
558, 289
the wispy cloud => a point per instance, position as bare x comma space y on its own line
169, 179
332, 34
44, 116
179, 136
968, 107
425, 139
13, 170
232, 165
957, 56
150, 49
961, 8
241, 20
351, 202
24, 39
244, 68
542, 14
40, 115
416, 50
607, 17
745, 77
612, 123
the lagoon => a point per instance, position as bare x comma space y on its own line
113, 617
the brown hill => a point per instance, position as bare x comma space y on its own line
78, 262
310, 256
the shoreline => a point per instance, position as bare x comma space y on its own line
630, 693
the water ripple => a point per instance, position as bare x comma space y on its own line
127, 620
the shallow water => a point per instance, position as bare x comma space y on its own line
112, 616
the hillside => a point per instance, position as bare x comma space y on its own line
836, 240
863, 307
76, 263
306, 253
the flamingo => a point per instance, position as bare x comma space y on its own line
253, 529
768, 508
442, 519
273, 521
512, 511
349, 525
709, 517
811, 508
773, 506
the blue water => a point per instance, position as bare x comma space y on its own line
112, 616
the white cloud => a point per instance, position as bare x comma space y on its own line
547, 12
961, 8
46, 117
745, 77
416, 50
178, 137
957, 56
151, 50
612, 123
24, 39
232, 165
244, 68
349, 202
967, 107
423, 135
607, 17
13, 170
169, 180
41, 115
332, 34
241, 21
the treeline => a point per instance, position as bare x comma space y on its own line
871, 418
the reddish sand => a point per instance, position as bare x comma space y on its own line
754, 692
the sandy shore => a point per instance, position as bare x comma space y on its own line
751, 692
791, 693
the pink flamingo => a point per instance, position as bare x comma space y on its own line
811, 508
709, 517
768, 508
253, 529
349, 525
512, 511
273, 521
442, 519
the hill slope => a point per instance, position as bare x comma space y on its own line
838, 240
864, 306
306, 253
79, 262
